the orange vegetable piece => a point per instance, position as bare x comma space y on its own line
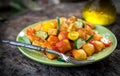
99, 46
63, 46
38, 27
50, 55
53, 39
89, 30
89, 49
79, 54
97, 37
30, 34
63, 35
82, 33
30, 31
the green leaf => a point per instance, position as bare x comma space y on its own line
24, 39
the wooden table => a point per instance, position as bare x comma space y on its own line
14, 63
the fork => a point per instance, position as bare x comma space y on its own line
66, 58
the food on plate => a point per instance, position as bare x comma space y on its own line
71, 36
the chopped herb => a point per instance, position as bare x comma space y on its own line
91, 37
61, 60
58, 20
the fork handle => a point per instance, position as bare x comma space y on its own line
16, 43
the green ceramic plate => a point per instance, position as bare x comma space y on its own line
37, 56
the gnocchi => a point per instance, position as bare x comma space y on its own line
71, 36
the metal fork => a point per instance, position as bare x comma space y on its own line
66, 58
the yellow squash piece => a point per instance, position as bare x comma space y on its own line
48, 25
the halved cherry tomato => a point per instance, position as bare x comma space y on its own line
106, 42
73, 35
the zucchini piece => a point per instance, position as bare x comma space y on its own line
42, 34
90, 38
58, 21
79, 24
79, 43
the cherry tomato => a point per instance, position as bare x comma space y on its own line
106, 42
73, 35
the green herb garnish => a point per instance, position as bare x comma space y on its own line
91, 37
58, 21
